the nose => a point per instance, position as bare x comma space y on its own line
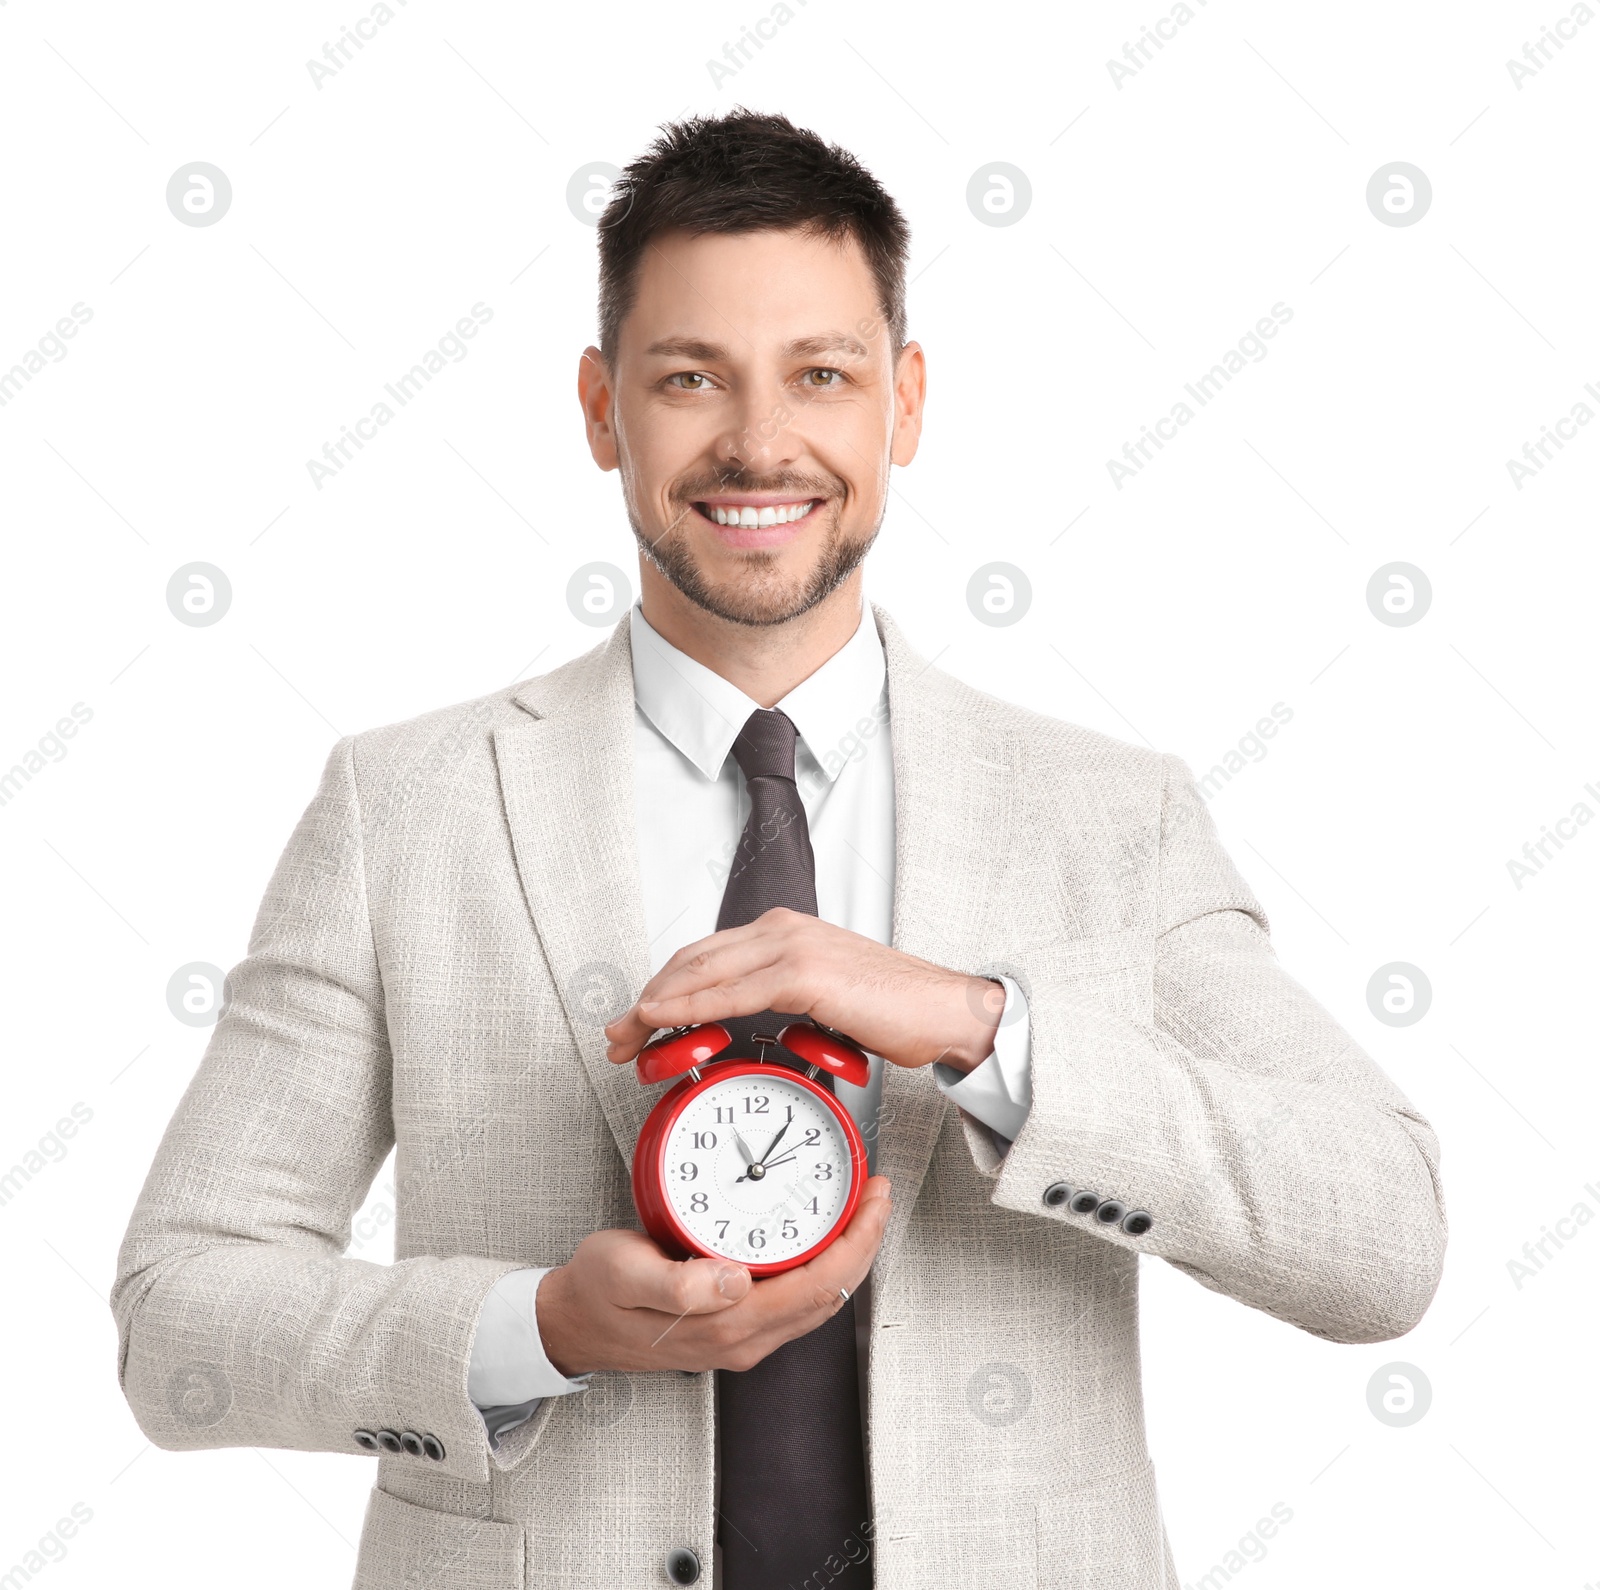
761, 435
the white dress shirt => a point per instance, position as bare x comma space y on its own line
691, 807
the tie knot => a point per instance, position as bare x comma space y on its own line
765, 746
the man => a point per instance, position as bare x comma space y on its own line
754, 801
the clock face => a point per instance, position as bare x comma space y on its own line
757, 1168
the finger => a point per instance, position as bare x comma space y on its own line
768, 988
721, 967
731, 952
728, 953
627, 1035
632, 1029
719, 959
643, 1277
722, 942
800, 1299
847, 1261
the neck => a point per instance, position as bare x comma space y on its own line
766, 661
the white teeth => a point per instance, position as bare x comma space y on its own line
754, 518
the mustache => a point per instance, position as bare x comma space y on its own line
788, 481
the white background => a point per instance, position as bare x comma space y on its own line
1168, 215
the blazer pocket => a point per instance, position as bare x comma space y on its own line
1103, 1537
406, 1547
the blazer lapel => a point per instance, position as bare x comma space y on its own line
937, 743
566, 780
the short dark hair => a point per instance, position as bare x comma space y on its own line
748, 172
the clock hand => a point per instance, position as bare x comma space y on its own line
763, 1167
744, 1148
762, 1162
774, 1143
772, 1164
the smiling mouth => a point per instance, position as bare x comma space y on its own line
746, 514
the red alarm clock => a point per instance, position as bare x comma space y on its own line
747, 1160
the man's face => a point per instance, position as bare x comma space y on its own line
754, 409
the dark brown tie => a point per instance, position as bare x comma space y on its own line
794, 1481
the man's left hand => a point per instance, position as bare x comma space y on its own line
907, 1010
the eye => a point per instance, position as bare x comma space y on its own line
828, 379
693, 380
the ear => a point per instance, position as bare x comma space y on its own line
910, 392
595, 397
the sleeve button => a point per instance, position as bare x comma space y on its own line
412, 1442
1136, 1222
366, 1440
389, 1440
1110, 1212
683, 1567
1056, 1194
1085, 1202
433, 1447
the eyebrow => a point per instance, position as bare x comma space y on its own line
704, 352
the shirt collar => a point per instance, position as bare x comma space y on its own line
701, 713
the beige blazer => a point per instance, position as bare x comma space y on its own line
454, 918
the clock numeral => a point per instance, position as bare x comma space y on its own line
758, 1237
823, 1170
790, 1231
724, 1110
757, 1105
811, 1139
706, 1139
811, 1208
722, 1229
699, 1205
788, 1113
688, 1170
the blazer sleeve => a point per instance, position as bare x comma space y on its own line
240, 1321
1276, 1161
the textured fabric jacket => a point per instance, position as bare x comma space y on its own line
453, 920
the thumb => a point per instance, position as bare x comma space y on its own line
690, 1286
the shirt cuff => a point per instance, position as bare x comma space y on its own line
509, 1365
998, 1092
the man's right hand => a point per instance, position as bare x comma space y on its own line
620, 1303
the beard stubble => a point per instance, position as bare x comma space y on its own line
760, 597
